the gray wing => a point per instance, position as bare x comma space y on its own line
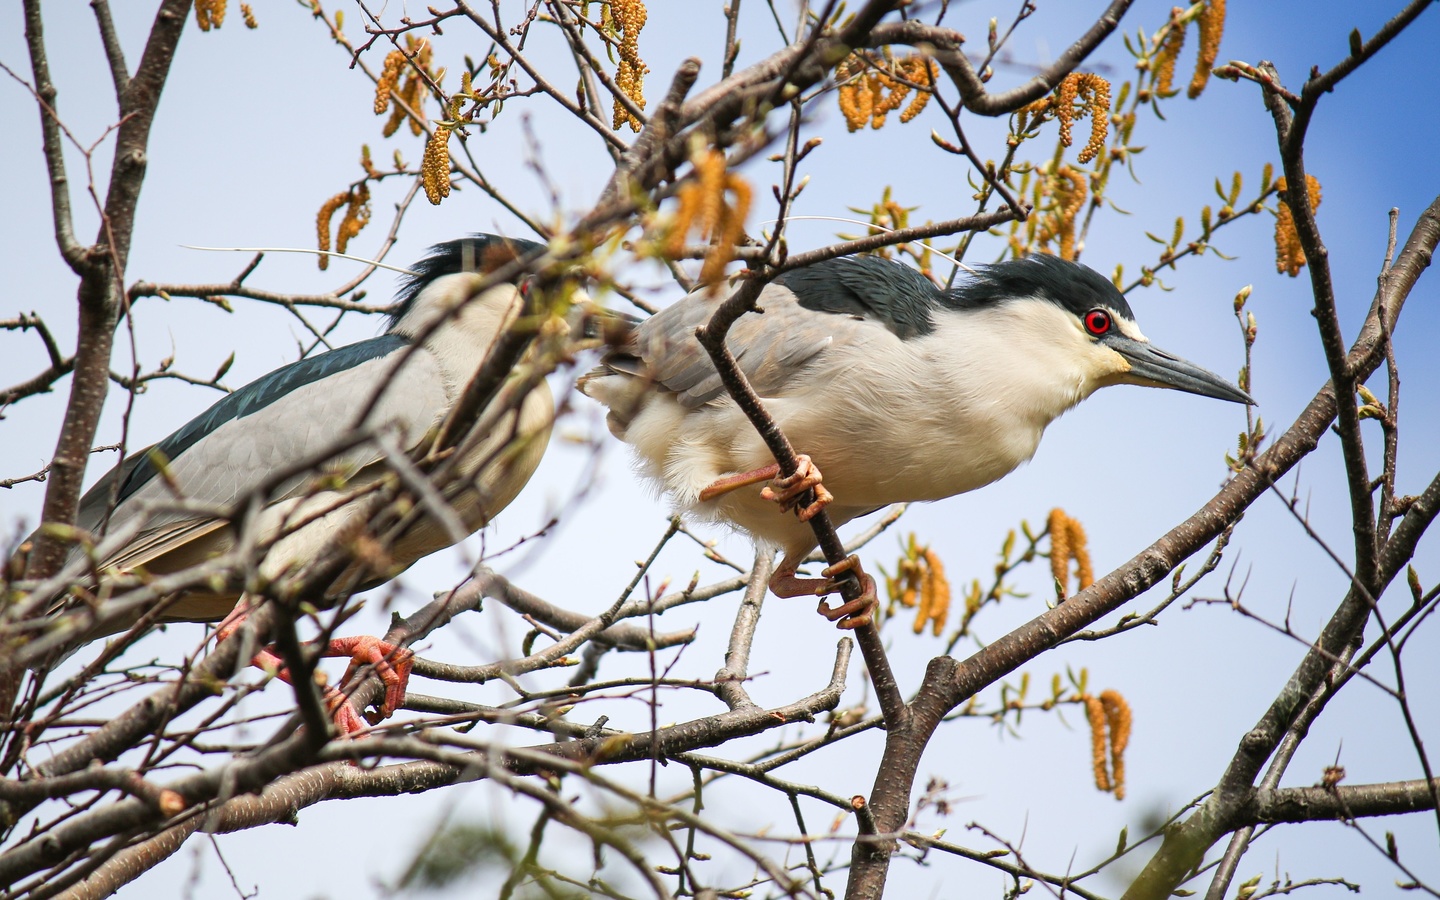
770, 348
264, 428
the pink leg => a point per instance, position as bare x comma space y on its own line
342, 712
852, 613
391, 663
785, 491
721, 486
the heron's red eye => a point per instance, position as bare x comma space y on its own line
1097, 322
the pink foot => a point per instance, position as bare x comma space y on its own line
391, 663
789, 490
848, 615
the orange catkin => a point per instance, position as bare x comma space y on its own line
1095, 715
209, 13
322, 224
1164, 60
1059, 548
389, 76
629, 17
1289, 254
1117, 717
435, 166
938, 587
1211, 25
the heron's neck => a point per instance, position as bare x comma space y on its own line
1024, 360
459, 323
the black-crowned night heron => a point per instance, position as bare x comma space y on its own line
896, 389
290, 415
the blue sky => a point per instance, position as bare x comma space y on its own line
257, 128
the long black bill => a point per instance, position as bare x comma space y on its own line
1151, 366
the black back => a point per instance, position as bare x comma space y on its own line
905, 301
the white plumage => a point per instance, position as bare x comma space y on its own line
896, 390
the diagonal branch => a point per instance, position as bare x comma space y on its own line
961, 71
1185, 845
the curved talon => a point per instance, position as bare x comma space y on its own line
391, 663
848, 615
852, 613
347, 719
789, 489
823, 499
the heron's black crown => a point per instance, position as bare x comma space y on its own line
482, 253
905, 301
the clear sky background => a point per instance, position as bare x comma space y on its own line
257, 128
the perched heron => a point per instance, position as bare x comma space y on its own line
895, 389
304, 409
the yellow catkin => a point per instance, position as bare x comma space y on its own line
938, 586
1164, 60
392, 125
849, 94
1117, 717
248, 15
703, 208
699, 202
889, 94
1083, 94
923, 71
416, 98
905, 586
1211, 25
1073, 202
629, 17
732, 227
1037, 108
710, 170
412, 91
1095, 715
870, 88
435, 166
1060, 549
854, 92
1080, 552
209, 13
864, 100
357, 216
922, 609
1069, 189
1065, 107
322, 223
687, 200
1094, 92
389, 76
1289, 254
